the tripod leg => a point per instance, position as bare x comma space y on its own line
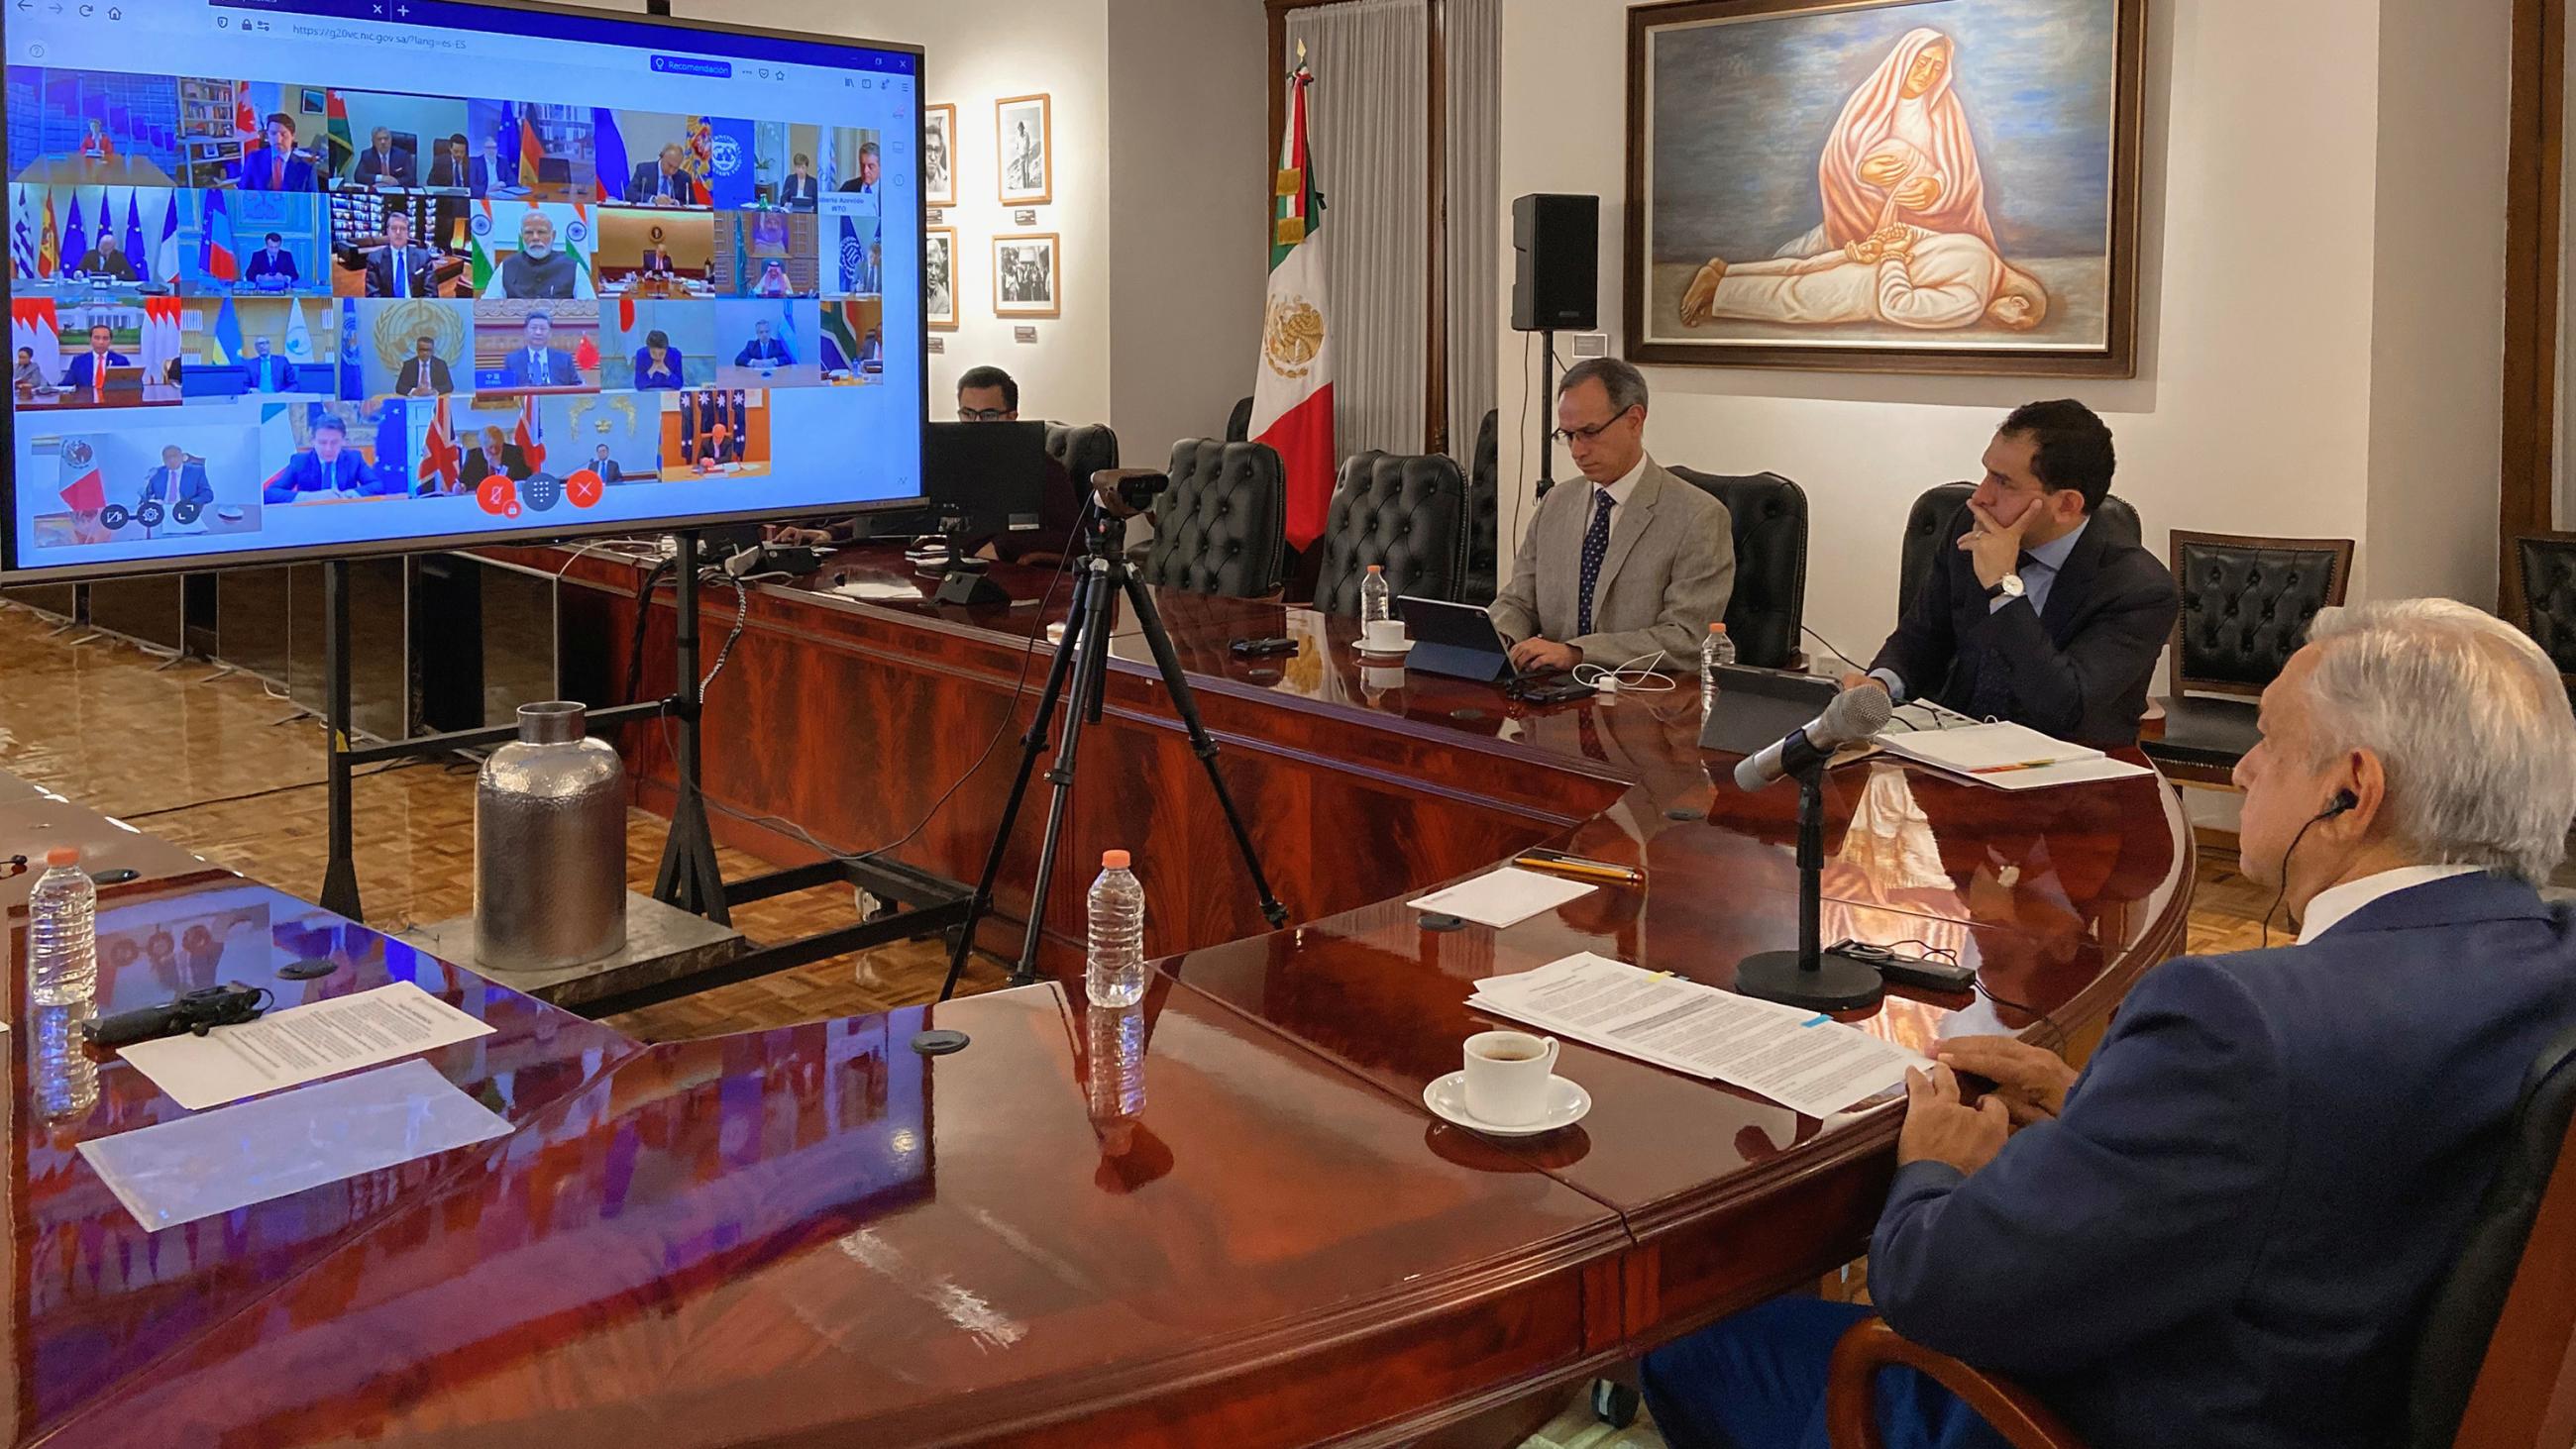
1087, 672
1202, 744
1032, 744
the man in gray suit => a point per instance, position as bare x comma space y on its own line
1632, 562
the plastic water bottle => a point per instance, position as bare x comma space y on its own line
1377, 601
1116, 975
62, 932
1715, 650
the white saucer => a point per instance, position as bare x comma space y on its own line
1567, 1103
1382, 651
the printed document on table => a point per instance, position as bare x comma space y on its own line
301, 1044
1800, 1059
194, 1167
1505, 897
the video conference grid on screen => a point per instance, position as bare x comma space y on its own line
266, 313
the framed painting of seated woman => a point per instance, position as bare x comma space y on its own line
1886, 186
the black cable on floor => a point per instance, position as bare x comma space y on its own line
272, 790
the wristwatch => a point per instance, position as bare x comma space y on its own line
2007, 587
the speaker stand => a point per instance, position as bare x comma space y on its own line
1547, 413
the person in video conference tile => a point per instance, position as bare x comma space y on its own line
329, 469
539, 269
279, 167
538, 364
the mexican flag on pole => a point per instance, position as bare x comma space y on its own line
1292, 402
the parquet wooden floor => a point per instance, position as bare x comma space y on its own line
205, 763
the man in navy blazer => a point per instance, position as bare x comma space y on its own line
2224, 1232
86, 371
539, 364
179, 479
272, 260
329, 469
2031, 612
280, 167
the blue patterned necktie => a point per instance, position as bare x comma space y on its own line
1596, 546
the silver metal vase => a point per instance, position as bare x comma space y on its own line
550, 845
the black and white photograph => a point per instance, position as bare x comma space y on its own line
939, 275
1024, 138
1025, 273
939, 157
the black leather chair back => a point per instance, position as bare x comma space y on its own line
1238, 428
2461, 1322
1223, 525
1083, 449
1483, 578
1769, 607
1928, 523
1407, 514
2548, 564
2247, 603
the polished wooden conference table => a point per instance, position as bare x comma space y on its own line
1224, 1217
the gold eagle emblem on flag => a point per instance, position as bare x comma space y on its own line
1292, 336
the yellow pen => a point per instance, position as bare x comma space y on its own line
2008, 769
1582, 869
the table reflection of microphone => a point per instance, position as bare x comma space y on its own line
1854, 717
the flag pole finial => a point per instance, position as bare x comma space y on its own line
1301, 52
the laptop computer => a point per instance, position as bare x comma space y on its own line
1457, 640
1756, 708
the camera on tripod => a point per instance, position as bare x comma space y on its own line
1133, 490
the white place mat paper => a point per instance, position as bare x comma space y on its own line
301, 1044
195, 1167
1505, 897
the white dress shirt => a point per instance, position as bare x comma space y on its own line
1623, 490
2332, 905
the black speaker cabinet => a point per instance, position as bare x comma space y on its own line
1556, 286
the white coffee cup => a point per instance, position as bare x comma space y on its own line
1508, 1073
1383, 634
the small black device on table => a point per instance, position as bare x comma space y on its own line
1907, 969
196, 1013
1263, 648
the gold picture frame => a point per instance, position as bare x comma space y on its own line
939, 244
939, 160
1009, 253
1031, 118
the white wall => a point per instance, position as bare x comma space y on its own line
1190, 180
1162, 285
2437, 343
2267, 246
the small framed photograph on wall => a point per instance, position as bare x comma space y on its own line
1025, 140
939, 157
1026, 275
939, 275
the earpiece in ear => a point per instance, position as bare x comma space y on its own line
2344, 800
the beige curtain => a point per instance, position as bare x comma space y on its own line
1475, 237
1371, 134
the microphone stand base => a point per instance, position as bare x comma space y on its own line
1835, 983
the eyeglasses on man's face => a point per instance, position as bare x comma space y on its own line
1571, 436
983, 415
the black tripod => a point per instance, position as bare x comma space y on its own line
1101, 577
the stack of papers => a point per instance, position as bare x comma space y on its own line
301, 1044
1809, 1063
2006, 756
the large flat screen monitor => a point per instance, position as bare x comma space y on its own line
322, 277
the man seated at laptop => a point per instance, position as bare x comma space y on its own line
2032, 614
1634, 565
990, 395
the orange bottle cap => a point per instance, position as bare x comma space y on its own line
63, 855
1113, 860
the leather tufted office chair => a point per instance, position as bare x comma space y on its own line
1482, 579
1222, 528
1238, 428
1928, 523
2547, 562
1083, 449
1405, 513
2246, 604
2493, 1355
1769, 607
